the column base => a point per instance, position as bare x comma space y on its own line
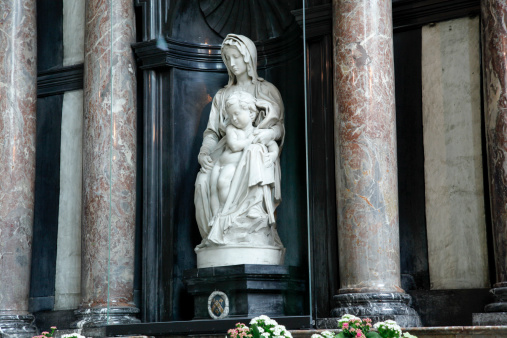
378, 307
501, 300
99, 317
496, 313
17, 326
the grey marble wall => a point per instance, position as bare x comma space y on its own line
68, 258
457, 250
73, 31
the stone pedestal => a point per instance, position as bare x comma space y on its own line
494, 45
109, 165
366, 162
251, 289
234, 255
18, 97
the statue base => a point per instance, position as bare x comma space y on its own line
235, 255
247, 290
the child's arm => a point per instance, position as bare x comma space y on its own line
233, 142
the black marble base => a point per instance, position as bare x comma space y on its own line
98, 317
501, 300
252, 289
17, 326
378, 307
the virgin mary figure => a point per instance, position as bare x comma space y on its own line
247, 218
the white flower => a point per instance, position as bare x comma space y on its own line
271, 322
266, 334
261, 330
327, 334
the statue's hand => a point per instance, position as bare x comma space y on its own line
205, 161
263, 136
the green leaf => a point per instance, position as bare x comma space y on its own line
340, 335
255, 331
373, 335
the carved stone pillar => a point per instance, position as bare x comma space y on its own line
494, 44
109, 165
366, 164
18, 97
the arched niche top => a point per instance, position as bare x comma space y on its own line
260, 20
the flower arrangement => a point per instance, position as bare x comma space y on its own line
260, 327
46, 334
354, 327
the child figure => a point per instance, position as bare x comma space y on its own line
242, 112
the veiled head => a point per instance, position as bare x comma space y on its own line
247, 49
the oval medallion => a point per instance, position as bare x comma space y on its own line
218, 305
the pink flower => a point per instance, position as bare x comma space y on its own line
53, 327
345, 325
352, 329
359, 333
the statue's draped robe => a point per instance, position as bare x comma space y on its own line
247, 217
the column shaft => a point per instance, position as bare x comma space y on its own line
366, 163
109, 165
18, 97
495, 109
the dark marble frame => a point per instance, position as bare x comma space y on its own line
160, 70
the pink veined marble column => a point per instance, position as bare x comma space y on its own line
18, 97
109, 165
366, 162
494, 45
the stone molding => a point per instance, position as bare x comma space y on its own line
202, 57
59, 81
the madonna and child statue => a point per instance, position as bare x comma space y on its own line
237, 189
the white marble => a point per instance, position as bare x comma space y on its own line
455, 215
73, 32
235, 255
238, 187
68, 256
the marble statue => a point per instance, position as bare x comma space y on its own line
237, 188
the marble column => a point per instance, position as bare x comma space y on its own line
366, 164
18, 97
109, 165
494, 44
